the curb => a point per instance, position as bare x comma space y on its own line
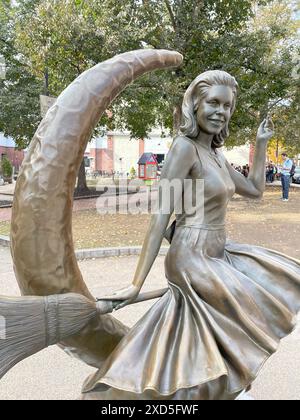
83, 197
88, 197
88, 254
6, 206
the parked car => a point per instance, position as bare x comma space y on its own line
296, 177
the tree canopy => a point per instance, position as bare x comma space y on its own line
256, 41
20, 89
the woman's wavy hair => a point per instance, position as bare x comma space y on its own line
195, 93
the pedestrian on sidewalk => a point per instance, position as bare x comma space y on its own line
285, 176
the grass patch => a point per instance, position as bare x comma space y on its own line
91, 230
269, 223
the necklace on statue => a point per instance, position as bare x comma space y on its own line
213, 155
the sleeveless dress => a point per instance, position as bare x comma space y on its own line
227, 308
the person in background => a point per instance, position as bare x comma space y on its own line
270, 173
285, 176
275, 173
267, 173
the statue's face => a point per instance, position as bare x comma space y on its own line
214, 110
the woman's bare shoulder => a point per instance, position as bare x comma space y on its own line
183, 145
180, 159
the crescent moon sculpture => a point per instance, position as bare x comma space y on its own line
41, 230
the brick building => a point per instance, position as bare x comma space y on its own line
100, 153
116, 152
8, 148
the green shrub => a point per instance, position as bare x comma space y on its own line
132, 173
6, 167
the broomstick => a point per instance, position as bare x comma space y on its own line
30, 324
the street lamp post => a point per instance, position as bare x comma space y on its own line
121, 166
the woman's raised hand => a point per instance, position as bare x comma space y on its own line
266, 130
123, 297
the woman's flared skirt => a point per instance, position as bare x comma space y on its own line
227, 308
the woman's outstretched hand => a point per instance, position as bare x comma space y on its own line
123, 297
266, 130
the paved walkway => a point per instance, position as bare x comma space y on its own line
7, 188
51, 374
5, 215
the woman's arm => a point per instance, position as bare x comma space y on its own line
254, 185
179, 161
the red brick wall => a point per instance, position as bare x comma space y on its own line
251, 154
141, 147
104, 158
15, 156
108, 155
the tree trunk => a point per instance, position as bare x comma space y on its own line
46, 82
81, 181
177, 116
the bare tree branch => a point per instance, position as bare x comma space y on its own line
172, 17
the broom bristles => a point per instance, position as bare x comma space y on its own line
30, 324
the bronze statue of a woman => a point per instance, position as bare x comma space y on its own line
228, 305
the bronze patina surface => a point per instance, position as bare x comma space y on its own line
41, 232
228, 305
